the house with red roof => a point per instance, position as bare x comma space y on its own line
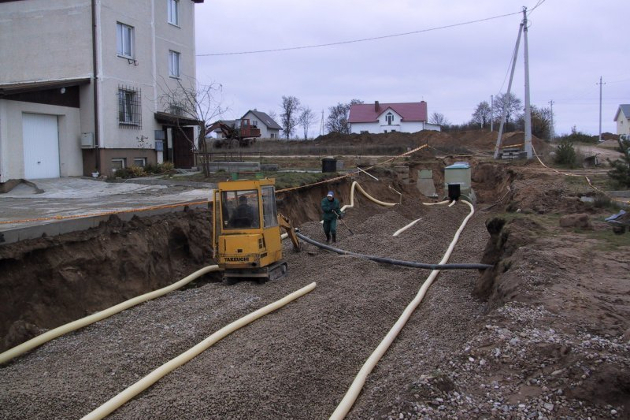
409, 117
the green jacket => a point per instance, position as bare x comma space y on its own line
329, 208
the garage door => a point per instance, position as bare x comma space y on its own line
41, 146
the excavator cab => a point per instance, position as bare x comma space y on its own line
246, 235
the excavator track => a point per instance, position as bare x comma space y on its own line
271, 272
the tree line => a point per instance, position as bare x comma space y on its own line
486, 114
295, 115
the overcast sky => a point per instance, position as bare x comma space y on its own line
571, 44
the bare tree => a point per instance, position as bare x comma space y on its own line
273, 115
438, 119
306, 119
541, 122
482, 114
337, 121
198, 102
513, 106
288, 118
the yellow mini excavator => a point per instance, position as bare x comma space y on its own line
246, 237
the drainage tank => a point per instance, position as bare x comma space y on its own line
457, 177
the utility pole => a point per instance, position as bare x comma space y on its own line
528, 113
491, 113
321, 125
507, 95
600, 107
551, 130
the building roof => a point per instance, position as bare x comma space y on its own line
171, 119
265, 119
625, 108
21, 87
409, 111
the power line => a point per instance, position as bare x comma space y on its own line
330, 44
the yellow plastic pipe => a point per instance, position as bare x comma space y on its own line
439, 203
120, 399
404, 228
80, 323
353, 392
356, 185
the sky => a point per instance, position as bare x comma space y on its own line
448, 62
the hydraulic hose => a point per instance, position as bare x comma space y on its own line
80, 323
353, 392
385, 260
356, 185
144, 383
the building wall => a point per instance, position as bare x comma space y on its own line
44, 40
11, 144
623, 124
382, 126
148, 72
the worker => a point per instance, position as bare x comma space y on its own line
244, 215
332, 212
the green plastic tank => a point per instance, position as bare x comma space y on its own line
458, 181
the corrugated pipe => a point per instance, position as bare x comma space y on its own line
126, 395
356, 185
404, 228
80, 323
412, 264
353, 392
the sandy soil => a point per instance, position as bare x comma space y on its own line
544, 335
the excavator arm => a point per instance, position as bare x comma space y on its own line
285, 223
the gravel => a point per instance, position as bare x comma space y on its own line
452, 360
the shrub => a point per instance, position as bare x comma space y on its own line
565, 154
577, 137
620, 171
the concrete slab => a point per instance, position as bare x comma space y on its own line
71, 204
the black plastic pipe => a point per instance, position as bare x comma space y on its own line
396, 262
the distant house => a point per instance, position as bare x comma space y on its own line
622, 118
375, 118
269, 129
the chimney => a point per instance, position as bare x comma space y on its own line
376, 106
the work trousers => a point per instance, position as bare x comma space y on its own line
330, 226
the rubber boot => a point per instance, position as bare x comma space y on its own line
334, 235
328, 238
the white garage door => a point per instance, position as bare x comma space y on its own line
41, 146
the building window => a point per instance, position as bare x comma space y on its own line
390, 118
173, 12
255, 123
124, 40
119, 163
273, 135
142, 162
129, 109
173, 63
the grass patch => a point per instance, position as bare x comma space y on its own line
606, 239
283, 179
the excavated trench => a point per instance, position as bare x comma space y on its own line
517, 347
50, 281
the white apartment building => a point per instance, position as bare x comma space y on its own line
83, 84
